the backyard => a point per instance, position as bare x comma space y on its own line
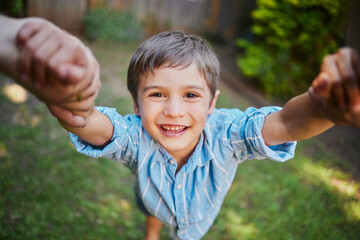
49, 191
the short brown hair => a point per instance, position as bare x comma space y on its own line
173, 49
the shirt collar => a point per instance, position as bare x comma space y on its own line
199, 157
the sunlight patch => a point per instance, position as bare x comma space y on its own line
333, 178
237, 227
35, 120
3, 151
15, 93
353, 210
125, 205
349, 188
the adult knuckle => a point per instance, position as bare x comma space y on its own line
30, 46
52, 63
329, 58
39, 57
349, 78
337, 85
345, 50
76, 47
23, 32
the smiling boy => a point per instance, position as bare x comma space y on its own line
185, 152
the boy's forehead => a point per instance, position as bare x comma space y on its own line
152, 76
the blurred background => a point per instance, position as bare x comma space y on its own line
270, 50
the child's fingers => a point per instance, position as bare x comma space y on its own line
89, 92
67, 116
349, 79
84, 105
322, 85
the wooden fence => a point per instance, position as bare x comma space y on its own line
227, 18
200, 16
353, 29
66, 14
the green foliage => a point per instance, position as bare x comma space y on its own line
14, 8
291, 38
110, 25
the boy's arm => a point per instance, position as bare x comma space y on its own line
337, 94
298, 120
98, 130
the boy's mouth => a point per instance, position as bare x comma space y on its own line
173, 130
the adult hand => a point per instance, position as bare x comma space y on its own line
336, 90
58, 69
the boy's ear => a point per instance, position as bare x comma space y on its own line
213, 102
136, 108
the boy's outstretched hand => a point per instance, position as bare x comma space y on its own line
58, 69
336, 90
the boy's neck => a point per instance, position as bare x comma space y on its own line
181, 160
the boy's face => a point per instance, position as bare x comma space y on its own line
173, 105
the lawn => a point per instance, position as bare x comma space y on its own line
49, 191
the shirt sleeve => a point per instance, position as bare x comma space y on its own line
123, 146
246, 139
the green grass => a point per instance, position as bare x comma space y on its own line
49, 191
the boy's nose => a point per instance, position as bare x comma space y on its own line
174, 108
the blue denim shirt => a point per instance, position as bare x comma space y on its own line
190, 200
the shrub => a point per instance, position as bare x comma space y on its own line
14, 8
290, 39
110, 25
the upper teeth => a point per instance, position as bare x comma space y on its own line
173, 128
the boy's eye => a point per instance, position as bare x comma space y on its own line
191, 95
156, 95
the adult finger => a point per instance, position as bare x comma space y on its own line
67, 116
42, 54
30, 48
70, 73
348, 76
73, 73
87, 103
26, 32
90, 83
72, 52
356, 65
330, 66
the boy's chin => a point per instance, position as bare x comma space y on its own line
178, 150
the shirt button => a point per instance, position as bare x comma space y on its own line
182, 220
172, 162
179, 186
